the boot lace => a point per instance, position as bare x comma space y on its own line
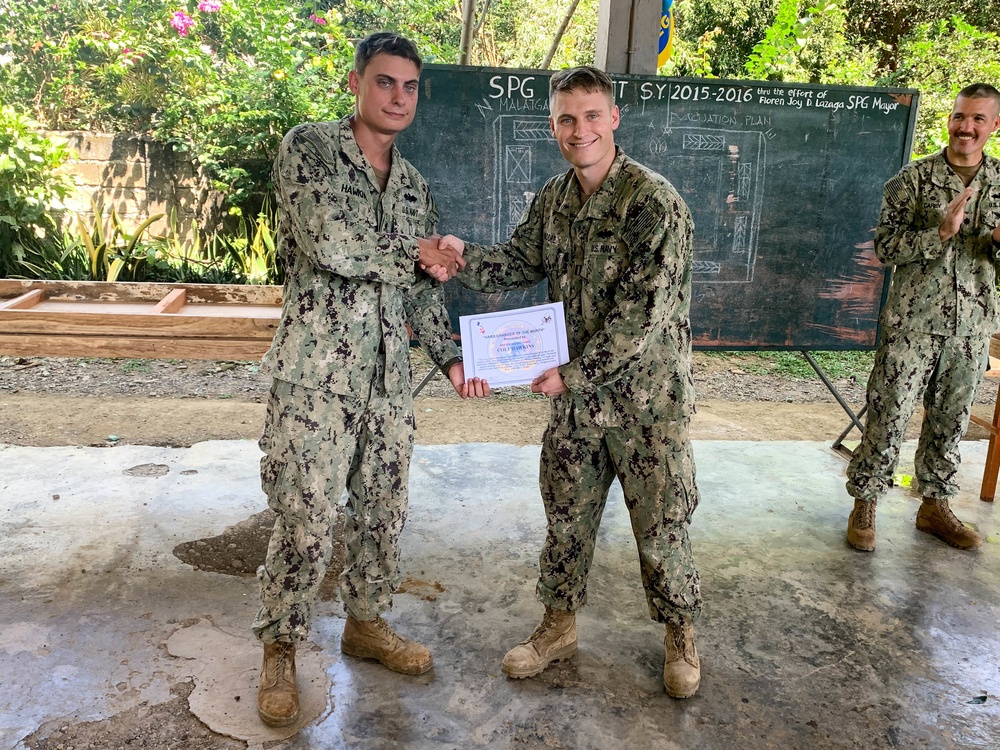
683, 646
865, 517
548, 623
383, 627
279, 664
949, 518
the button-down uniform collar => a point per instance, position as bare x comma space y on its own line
599, 205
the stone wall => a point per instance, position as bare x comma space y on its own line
139, 177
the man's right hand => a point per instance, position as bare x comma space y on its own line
442, 261
954, 215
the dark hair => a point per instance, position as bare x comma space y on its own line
585, 77
385, 43
981, 91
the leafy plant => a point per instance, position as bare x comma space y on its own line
31, 187
222, 81
111, 248
253, 250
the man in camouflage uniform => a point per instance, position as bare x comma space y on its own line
613, 239
353, 221
940, 228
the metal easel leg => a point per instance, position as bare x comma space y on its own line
838, 444
426, 379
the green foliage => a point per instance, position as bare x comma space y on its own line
114, 251
692, 59
773, 57
434, 25
885, 23
225, 86
31, 186
725, 30
252, 250
856, 365
939, 58
899, 43
518, 33
810, 48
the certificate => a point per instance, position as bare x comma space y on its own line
516, 346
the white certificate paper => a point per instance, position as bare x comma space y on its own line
516, 346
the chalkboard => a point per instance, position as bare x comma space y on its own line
784, 182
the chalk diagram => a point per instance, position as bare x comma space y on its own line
720, 173
725, 169
515, 142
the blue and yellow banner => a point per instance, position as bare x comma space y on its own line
666, 32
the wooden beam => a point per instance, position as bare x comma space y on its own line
628, 33
132, 348
148, 292
103, 323
137, 320
172, 302
25, 301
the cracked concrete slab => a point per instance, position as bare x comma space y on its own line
804, 642
226, 667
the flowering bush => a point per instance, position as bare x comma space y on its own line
182, 22
220, 79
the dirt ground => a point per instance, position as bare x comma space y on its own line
60, 401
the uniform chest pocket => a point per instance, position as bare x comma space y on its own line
605, 263
930, 215
603, 269
353, 206
991, 208
407, 222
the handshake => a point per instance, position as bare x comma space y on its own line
441, 257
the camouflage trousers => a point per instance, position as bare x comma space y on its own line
315, 444
656, 469
947, 370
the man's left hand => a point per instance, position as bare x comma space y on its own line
549, 383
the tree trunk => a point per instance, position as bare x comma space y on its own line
559, 34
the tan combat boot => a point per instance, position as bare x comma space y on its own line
374, 639
861, 526
277, 694
935, 517
681, 667
553, 639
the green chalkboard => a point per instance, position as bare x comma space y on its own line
784, 182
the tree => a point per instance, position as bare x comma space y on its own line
810, 48
940, 58
888, 22
520, 33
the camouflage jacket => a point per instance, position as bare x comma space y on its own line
941, 288
350, 254
621, 265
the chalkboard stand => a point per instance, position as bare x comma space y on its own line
425, 380
838, 444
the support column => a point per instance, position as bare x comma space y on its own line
628, 33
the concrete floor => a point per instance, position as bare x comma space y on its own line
805, 643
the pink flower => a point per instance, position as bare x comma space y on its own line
210, 6
317, 19
182, 22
